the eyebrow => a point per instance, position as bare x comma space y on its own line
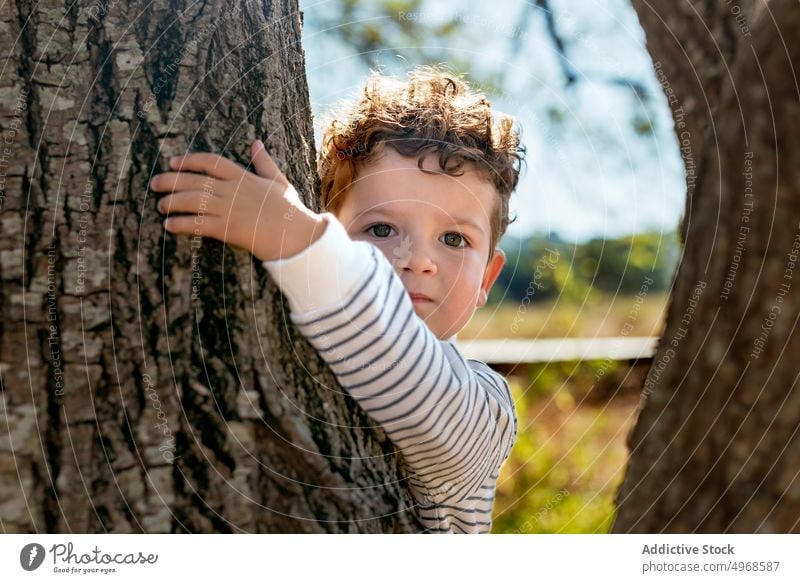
457, 220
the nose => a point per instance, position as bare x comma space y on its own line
415, 256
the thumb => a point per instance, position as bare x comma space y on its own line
264, 164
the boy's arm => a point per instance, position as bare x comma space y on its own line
452, 419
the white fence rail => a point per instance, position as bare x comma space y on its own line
511, 351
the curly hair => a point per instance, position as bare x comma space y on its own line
433, 112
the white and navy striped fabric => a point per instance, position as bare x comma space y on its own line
452, 418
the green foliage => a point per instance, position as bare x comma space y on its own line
543, 268
622, 265
643, 126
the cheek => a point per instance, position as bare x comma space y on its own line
465, 280
467, 271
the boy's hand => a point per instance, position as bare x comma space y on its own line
228, 203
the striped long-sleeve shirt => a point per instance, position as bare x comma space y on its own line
452, 418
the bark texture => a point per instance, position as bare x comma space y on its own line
152, 383
716, 445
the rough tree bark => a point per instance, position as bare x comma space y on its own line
152, 383
716, 445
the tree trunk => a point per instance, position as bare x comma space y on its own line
151, 383
716, 445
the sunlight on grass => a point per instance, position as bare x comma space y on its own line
569, 456
602, 315
574, 417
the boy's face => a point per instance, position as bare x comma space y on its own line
434, 229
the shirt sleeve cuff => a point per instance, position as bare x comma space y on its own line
323, 273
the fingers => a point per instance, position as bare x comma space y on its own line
203, 226
211, 164
191, 201
263, 163
180, 181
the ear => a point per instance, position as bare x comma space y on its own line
493, 269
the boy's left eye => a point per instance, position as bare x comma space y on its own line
455, 237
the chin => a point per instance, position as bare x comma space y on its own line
443, 334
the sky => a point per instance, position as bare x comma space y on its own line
588, 173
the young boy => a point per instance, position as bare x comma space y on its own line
416, 179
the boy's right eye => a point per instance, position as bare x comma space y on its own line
381, 230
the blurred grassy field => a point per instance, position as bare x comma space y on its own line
570, 453
601, 315
574, 417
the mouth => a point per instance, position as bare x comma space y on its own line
419, 298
